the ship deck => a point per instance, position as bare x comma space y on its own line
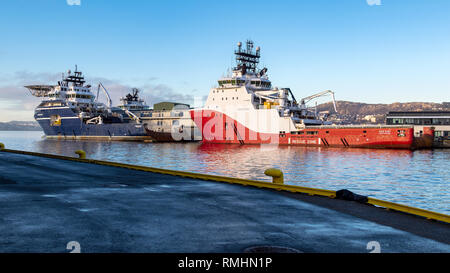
362, 126
46, 203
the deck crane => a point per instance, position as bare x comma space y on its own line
321, 94
106, 92
129, 113
133, 116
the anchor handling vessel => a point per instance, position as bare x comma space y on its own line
246, 109
69, 110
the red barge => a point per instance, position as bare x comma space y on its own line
246, 109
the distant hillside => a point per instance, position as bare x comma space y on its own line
356, 112
20, 126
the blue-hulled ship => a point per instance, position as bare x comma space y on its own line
69, 110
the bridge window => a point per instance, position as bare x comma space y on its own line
437, 121
409, 121
397, 121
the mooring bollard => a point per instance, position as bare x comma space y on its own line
81, 154
277, 175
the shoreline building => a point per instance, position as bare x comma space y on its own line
439, 120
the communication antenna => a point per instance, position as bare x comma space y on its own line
247, 59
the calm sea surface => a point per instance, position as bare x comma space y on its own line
419, 178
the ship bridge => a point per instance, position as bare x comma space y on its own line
73, 90
132, 102
246, 72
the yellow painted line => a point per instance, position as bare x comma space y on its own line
411, 210
246, 182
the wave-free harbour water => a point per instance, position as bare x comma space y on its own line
416, 178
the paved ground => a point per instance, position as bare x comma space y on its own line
46, 203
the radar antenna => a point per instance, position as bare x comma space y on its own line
135, 93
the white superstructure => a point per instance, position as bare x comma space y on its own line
132, 102
70, 92
247, 96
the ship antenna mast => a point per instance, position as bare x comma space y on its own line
247, 60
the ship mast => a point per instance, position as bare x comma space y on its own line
247, 60
77, 79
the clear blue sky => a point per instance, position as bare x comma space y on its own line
398, 51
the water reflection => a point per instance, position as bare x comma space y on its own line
417, 178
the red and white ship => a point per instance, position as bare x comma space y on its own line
246, 109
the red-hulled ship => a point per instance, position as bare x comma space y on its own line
245, 109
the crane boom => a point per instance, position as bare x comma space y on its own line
320, 94
106, 92
133, 116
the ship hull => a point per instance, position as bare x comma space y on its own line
227, 130
159, 136
72, 127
